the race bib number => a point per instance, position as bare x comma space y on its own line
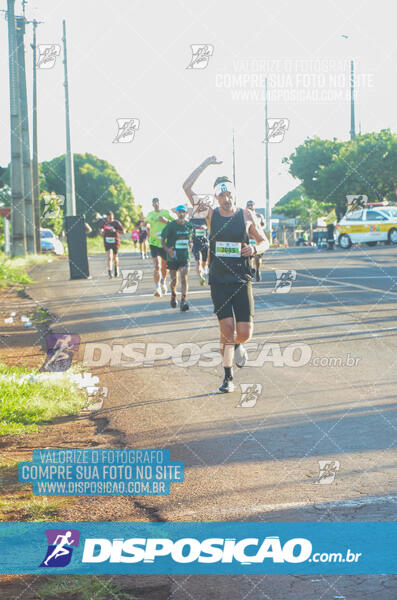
182, 244
199, 232
110, 240
228, 249
252, 242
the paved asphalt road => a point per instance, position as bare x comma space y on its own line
261, 461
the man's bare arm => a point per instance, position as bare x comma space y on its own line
262, 243
187, 185
170, 251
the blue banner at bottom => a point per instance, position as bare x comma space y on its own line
198, 548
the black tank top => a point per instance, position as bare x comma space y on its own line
200, 236
224, 267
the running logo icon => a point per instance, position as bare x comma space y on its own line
47, 55
328, 470
276, 129
284, 281
60, 348
201, 54
59, 550
201, 204
250, 393
126, 130
131, 280
52, 205
356, 201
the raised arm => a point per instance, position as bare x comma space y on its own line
187, 186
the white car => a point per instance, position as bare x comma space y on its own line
50, 242
369, 225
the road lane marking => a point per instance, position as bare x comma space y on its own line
354, 285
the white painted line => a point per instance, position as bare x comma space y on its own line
355, 285
370, 277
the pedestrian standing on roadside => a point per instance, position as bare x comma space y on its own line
330, 221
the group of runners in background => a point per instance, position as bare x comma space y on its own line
227, 244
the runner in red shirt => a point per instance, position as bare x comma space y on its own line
110, 231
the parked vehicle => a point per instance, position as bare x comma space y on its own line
369, 225
320, 239
50, 242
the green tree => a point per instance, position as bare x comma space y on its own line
99, 187
5, 195
330, 170
304, 209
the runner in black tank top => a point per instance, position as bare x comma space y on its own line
230, 276
200, 246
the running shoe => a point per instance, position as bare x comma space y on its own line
258, 275
163, 286
241, 355
157, 291
174, 302
110, 274
202, 280
227, 386
184, 306
116, 272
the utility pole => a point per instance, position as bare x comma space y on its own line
70, 194
352, 115
268, 222
35, 156
74, 225
17, 191
26, 164
234, 164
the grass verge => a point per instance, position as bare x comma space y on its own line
13, 271
18, 503
82, 587
27, 405
95, 245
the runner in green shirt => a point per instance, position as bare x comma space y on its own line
157, 220
175, 239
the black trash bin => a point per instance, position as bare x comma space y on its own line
77, 245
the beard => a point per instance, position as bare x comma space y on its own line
227, 205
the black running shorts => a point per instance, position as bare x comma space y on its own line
198, 249
157, 251
174, 265
111, 247
233, 299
